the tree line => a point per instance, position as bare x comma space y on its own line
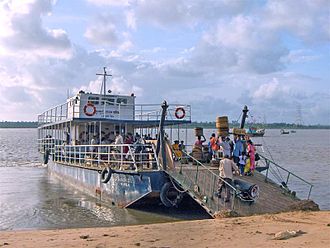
210, 124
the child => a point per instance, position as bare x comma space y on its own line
247, 166
242, 162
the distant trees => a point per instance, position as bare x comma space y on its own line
204, 124
261, 125
18, 124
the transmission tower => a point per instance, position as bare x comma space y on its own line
299, 120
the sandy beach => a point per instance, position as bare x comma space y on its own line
254, 231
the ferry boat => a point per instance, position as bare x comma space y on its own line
282, 131
127, 154
255, 132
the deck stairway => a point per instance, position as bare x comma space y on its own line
201, 183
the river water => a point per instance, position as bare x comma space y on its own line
31, 199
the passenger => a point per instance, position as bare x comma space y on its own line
128, 141
92, 147
138, 143
247, 171
214, 145
226, 168
112, 137
118, 139
176, 149
224, 143
242, 162
135, 137
251, 151
231, 144
238, 149
182, 146
199, 141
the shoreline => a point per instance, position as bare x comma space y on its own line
252, 231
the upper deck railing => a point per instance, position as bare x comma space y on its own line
114, 111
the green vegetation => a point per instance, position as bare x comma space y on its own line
18, 124
266, 126
34, 124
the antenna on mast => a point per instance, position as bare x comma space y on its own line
104, 82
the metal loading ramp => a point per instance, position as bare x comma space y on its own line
200, 181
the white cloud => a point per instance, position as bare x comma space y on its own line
300, 56
217, 55
130, 19
103, 31
111, 2
306, 19
22, 33
270, 91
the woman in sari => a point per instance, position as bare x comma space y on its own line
251, 152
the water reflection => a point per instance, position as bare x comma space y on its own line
30, 198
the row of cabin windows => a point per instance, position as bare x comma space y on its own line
106, 101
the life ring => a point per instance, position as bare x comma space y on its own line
89, 106
180, 113
106, 175
169, 196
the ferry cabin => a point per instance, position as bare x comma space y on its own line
87, 116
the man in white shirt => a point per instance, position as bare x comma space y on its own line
118, 139
225, 147
226, 168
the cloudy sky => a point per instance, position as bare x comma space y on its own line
216, 55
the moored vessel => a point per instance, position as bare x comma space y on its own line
121, 152
255, 132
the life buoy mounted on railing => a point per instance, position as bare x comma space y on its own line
180, 113
89, 109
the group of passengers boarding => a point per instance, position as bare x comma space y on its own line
241, 159
241, 150
178, 148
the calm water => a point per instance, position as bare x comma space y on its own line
30, 199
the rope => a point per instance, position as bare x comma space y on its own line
277, 177
180, 191
239, 117
278, 171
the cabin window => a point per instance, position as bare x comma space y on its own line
93, 99
122, 100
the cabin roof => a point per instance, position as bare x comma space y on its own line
134, 123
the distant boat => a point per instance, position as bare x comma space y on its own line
293, 131
255, 132
284, 132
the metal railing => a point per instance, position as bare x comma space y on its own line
274, 173
204, 183
122, 156
55, 114
109, 110
46, 144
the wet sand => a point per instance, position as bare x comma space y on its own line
255, 231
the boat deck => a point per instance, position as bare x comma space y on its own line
202, 183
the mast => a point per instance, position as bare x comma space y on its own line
104, 82
161, 136
245, 110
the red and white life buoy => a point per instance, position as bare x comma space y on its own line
180, 113
89, 109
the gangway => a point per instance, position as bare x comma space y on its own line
200, 182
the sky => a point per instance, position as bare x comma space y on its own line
216, 55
